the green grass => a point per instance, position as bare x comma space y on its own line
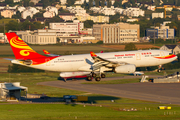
6, 20
121, 81
69, 112
102, 109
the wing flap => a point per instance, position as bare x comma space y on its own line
99, 62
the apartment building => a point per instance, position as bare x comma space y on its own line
162, 32
157, 15
117, 33
40, 36
95, 19
69, 27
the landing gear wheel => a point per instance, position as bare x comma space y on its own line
93, 75
158, 70
103, 75
89, 78
98, 79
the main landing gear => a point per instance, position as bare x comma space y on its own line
89, 78
160, 68
97, 78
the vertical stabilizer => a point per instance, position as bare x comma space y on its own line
20, 49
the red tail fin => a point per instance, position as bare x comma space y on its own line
20, 49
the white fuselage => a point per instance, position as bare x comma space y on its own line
83, 62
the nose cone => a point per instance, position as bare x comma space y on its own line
176, 58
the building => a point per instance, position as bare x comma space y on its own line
52, 9
48, 14
133, 12
178, 16
175, 49
35, 1
132, 20
63, 2
30, 11
67, 16
152, 8
157, 15
95, 19
12, 91
117, 33
21, 9
3, 38
162, 32
39, 6
40, 36
69, 27
8, 13
77, 10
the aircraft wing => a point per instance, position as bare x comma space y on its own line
8, 59
49, 54
99, 62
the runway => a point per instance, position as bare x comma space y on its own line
157, 92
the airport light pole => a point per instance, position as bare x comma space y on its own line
154, 33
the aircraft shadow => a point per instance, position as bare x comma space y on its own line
74, 79
91, 99
43, 99
95, 99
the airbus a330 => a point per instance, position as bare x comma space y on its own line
92, 65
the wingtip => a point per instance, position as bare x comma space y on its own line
93, 54
46, 52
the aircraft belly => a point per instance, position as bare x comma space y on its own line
68, 67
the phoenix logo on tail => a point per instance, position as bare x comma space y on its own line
25, 54
20, 48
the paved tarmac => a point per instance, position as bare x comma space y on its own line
157, 92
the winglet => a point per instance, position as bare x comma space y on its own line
46, 52
93, 54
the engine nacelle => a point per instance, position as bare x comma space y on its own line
125, 69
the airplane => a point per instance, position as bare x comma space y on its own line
136, 73
95, 64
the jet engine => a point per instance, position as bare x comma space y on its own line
125, 69
27, 62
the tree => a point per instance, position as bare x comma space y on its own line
17, 15
88, 24
37, 25
45, 3
54, 19
14, 68
109, 3
58, 39
9, 2
130, 46
39, 14
70, 2
12, 25
118, 3
31, 4
25, 3
132, 2
114, 18
26, 25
